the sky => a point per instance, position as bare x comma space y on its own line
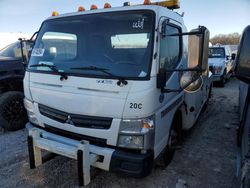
219, 16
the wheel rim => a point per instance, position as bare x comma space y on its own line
13, 110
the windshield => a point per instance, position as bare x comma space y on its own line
14, 50
119, 43
216, 53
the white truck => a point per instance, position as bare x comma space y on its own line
221, 63
114, 87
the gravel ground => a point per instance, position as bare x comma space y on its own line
205, 159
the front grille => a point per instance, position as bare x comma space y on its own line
76, 119
75, 136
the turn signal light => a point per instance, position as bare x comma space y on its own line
54, 13
80, 9
147, 2
93, 7
107, 5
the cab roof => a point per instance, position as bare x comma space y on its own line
159, 10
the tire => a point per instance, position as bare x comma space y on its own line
208, 97
245, 183
173, 140
210, 91
223, 80
12, 112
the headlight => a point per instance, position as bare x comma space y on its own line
140, 126
137, 134
30, 111
217, 69
127, 141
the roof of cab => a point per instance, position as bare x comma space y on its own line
156, 8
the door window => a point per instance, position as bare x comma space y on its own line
170, 48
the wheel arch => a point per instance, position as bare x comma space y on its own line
11, 84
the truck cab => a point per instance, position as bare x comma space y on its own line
242, 72
12, 112
112, 87
220, 61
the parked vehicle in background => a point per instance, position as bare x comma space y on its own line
242, 72
12, 112
116, 93
221, 63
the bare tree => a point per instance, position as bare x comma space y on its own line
230, 39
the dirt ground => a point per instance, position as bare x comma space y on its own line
205, 159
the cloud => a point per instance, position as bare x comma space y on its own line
8, 38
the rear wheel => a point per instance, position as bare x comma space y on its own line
209, 95
12, 112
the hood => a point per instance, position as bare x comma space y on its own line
79, 95
216, 61
3, 59
11, 64
92, 98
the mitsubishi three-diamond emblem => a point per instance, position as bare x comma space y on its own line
69, 120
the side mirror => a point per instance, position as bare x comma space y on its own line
191, 81
197, 64
242, 69
198, 44
233, 56
26, 47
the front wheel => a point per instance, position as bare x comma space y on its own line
171, 146
173, 140
224, 79
12, 112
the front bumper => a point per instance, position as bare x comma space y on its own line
103, 157
130, 164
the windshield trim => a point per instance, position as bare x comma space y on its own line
104, 76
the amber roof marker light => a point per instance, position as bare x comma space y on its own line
147, 2
93, 7
81, 8
54, 13
107, 5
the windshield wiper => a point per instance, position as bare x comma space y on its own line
53, 68
121, 80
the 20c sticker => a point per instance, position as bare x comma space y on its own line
135, 105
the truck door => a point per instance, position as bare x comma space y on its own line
170, 54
